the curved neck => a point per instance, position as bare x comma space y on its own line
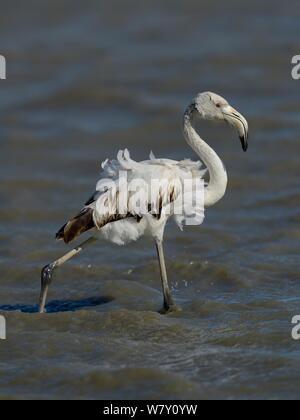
217, 172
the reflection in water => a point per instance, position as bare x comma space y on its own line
59, 305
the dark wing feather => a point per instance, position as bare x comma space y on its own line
79, 224
93, 198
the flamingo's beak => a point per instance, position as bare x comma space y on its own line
234, 118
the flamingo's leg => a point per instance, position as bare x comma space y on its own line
169, 304
47, 271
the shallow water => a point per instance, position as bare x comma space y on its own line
84, 81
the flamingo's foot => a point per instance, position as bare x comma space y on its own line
46, 278
168, 309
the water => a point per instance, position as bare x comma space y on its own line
87, 80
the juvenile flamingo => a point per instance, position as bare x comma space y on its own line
101, 214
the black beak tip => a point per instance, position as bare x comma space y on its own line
244, 143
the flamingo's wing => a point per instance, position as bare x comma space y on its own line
103, 206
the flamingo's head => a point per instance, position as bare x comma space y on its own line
211, 106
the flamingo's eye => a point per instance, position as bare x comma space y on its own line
218, 105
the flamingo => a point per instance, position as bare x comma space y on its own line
101, 215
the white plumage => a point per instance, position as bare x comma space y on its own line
173, 173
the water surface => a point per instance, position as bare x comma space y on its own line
85, 80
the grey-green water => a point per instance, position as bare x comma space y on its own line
86, 79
